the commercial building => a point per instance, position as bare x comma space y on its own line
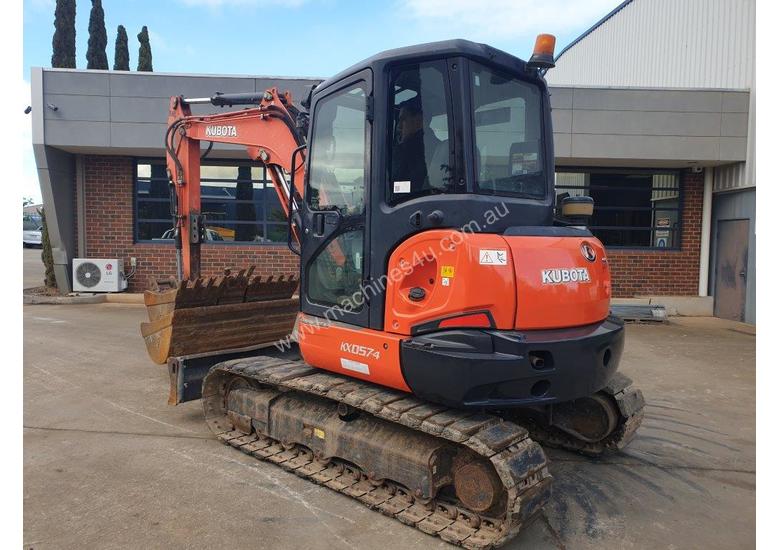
649, 153
703, 53
98, 145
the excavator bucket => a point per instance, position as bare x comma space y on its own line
218, 313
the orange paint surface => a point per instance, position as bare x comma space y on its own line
357, 352
510, 287
424, 260
554, 304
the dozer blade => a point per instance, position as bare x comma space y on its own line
216, 313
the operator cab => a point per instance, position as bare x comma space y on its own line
450, 134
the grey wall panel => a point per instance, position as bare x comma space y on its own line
736, 102
644, 147
58, 182
638, 99
734, 124
562, 145
735, 206
135, 85
561, 98
76, 107
138, 103
75, 82
139, 109
36, 103
76, 133
132, 134
733, 149
561, 120
654, 123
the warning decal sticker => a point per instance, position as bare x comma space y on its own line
492, 257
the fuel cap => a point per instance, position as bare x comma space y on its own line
416, 294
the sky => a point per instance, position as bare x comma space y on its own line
315, 38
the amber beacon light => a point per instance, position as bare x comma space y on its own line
544, 48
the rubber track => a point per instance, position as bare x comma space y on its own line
629, 402
518, 460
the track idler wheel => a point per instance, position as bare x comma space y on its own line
589, 418
478, 486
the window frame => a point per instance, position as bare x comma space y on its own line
681, 203
544, 152
211, 162
394, 199
311, 248
363, 84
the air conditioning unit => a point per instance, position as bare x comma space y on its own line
98, 275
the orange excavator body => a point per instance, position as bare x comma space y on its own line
452, 312
461, 280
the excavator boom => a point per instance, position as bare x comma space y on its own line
271, 135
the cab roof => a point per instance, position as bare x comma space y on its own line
430, 50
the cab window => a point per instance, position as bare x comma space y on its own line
506, 116
338, 148
421, 159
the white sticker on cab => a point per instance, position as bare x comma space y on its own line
492, 257
402, 187
356, 366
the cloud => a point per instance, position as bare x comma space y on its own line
506, 18
157, 42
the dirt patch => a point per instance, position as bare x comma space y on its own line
42, 291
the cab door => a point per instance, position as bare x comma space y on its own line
335, 241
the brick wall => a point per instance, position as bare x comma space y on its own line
109, 227
664, 272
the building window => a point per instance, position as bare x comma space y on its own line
633, 208
238, 201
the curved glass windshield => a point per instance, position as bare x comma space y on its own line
508, 134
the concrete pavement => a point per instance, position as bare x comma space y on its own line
108, 464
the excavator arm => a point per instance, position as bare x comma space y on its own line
273, 132
234, 310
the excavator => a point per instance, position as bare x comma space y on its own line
451, 316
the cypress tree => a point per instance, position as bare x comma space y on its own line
121, 53
144, 51
46, 254
96, 46
63, 44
